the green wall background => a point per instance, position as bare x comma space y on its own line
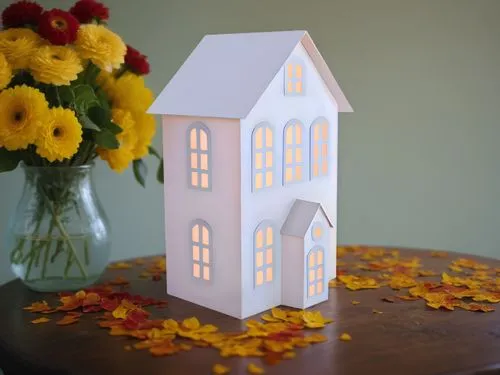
418, 158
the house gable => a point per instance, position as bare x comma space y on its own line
300, 218
226, 74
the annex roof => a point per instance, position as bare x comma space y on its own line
300, 217
226, 74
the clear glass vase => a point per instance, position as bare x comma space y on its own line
58, 236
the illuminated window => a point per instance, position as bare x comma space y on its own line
293, 152
262, 157
294, 77
317, 231
319, 148
264, 247
315, 272
201, 249
199, 157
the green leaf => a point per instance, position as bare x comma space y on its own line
66, 94
85, 97
113, 128
91, 73
152, 151
9, 160
159, 173
106, 139
103, 99
99, 116
140, 171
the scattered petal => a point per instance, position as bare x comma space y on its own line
345, 337
40, 320
254, 369
220, 369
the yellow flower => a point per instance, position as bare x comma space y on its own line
18, 45
23, 111
60, 137
5, 72
101, 46
128, 92
120, 158
145, 126
55, 65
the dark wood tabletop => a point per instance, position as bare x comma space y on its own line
407, 338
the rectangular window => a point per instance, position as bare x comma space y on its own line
294, 77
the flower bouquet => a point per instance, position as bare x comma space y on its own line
71, 91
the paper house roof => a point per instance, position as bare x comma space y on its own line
300, 217
226, 74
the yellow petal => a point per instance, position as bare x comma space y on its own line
220, 369
254, 369
345, 337
278, 313
191, 323
120, 312
40, 320
289, 355
171, 325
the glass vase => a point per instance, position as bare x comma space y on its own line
58, 236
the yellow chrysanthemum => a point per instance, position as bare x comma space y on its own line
145, 128
55, 65
101, 46
128, 92
23, 111
18, 45
60, 137
119, 159
5, 72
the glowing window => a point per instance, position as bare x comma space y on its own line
317, 231
199, 157
315, 272
294, 77
202, 251
264, 251
294, 151
319, 148
262, 157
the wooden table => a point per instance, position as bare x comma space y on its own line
407, 339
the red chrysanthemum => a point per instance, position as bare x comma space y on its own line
136, 61
58, 27
86, 11
21, 14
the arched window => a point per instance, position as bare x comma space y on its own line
315, 271
201, 250
262, 156
294, 77
319, 148
264, 245
199, 160
293, 151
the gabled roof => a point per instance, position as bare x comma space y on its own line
300, 217
226, 74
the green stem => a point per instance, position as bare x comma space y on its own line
30, 265
86, 251
66, 237
16, 255
65, 234
69, 263
47, 249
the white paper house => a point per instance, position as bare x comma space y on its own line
250, 127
